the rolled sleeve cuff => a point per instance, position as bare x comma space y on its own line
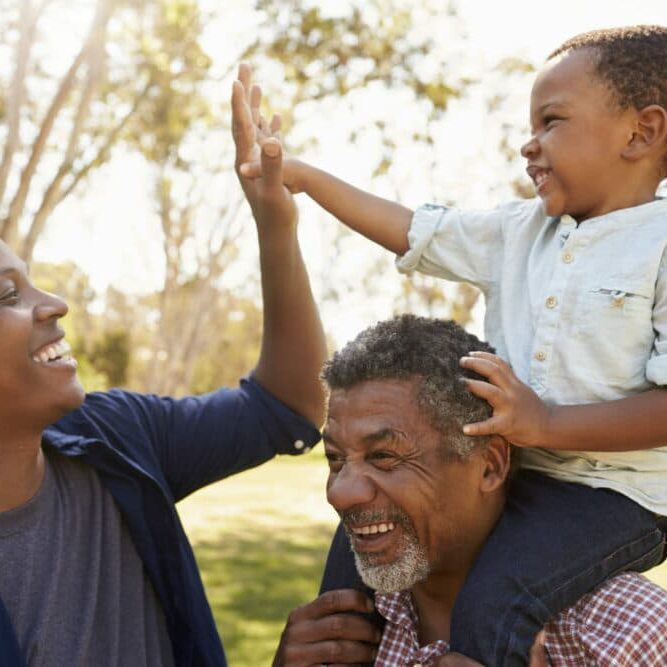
656, 370
425, 223
293, 433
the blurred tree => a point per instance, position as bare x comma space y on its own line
371, 45
111, 356
130, 80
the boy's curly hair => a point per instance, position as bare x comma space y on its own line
408, 347
631, 60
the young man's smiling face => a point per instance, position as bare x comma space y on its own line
578, 137
410, 510
38, 382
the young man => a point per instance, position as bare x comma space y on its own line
95, 565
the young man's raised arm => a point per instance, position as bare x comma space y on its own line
293, 344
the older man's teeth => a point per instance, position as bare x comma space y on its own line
374, 529
58, 350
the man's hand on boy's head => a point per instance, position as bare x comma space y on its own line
519, 415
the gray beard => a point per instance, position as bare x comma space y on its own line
409, 568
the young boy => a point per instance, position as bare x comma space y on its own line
576, 307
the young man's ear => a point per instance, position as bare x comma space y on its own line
496, 457
650, 133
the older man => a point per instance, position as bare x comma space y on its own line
417, 500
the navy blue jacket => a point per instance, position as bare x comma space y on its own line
151, 452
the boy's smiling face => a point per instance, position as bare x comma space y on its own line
575, 155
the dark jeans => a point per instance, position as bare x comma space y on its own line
554, 542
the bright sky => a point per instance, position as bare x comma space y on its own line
106, 232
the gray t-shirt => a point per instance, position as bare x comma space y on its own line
72, 581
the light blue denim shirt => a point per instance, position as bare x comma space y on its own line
579, 311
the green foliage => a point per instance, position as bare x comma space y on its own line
111, 356
373, 42
232, 346
169, 66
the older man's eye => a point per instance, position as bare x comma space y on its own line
335, 461
383, 459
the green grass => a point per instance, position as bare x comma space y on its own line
261, 539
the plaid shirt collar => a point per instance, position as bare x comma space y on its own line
400, 642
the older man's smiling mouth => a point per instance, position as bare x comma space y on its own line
372, 529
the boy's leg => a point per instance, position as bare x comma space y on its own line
555, 542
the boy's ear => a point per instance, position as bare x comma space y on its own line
649, 135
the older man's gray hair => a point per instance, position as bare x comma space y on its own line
427, 350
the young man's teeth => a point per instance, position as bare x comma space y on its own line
375, 528
51, 352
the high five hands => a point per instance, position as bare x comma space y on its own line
250, 166
258, 145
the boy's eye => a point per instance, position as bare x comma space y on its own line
550, 120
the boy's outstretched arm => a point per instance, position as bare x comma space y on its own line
293, 344
380, 220
522, 418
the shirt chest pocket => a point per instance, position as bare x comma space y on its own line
614, 323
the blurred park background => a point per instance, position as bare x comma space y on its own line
116, 183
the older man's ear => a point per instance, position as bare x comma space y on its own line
496, 464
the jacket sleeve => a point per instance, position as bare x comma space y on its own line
193, 441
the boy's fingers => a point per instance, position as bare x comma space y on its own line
487, 427
251, 169
485, 390
276, 123
494, 358
488, 368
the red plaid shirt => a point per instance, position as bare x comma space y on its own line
621, 624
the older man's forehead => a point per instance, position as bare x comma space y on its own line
372, 410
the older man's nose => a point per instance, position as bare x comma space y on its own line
349, 488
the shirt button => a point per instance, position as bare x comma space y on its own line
299, 444
567, 257
540, 355
551, 302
